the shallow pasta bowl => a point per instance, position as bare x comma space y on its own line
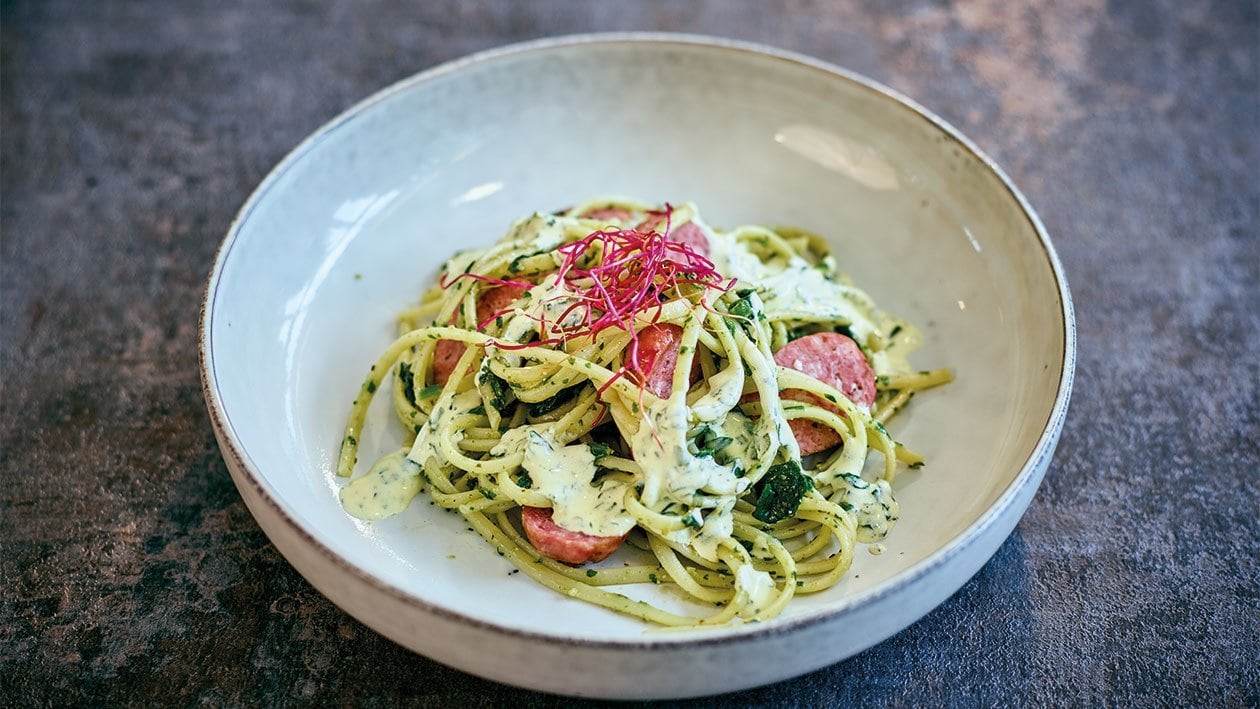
355, 222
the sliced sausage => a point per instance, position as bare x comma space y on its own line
833, 359
556, 542
609, 215
810, 435
445, 356
498, 299
689, 234
657, 356
447, 353
654, 221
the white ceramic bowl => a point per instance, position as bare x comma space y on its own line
354, 222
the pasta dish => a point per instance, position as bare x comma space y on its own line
623, 374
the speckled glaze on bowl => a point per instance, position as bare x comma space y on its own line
355, 222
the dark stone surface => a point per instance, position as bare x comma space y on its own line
132, 572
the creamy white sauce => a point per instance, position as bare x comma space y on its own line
773, 422
718, 526
392, 482
850, 462
424, 447
564, 474
545, 302
895, 358
758, 586
725, 387
514, 440
744, 446
670, 471
541, 232
792, 288
385, 490
873, 506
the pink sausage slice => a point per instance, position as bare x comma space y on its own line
657, 356
652, 223
445, 356
556, 542
607, 215
498, 299
447, 353
689, 234
833, 359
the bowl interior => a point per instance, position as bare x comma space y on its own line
354, 225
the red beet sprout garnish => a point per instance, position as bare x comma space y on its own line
638, 269
611, 276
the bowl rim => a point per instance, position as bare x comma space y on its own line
1028, 474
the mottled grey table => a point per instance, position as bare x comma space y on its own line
131, 571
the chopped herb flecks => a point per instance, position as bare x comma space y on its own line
408, 380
